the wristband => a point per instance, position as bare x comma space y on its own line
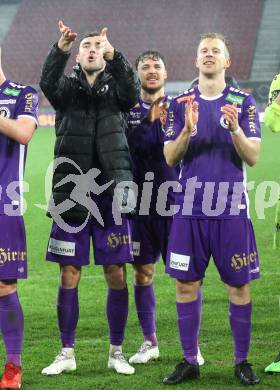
235, 132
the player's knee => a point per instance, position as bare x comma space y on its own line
7, 287
187, 291
70, 276
239, 295
143, 274
115, 276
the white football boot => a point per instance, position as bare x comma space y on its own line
200, 359
146, 353
64, 362
118, 362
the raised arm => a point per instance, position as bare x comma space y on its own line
53, 82
174, 151
127, 82
247, 149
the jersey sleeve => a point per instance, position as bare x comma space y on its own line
272, 117
249, 121
175, 121
27, 104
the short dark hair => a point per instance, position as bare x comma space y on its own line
88, 34
214, 35
153, 54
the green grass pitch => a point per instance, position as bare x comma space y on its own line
38, 297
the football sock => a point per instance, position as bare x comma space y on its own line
188, 323
68, 315
117, 312
145, 306
12, 324
199, 302
240, 322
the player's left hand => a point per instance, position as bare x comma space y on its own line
158, 110
108, 50
231, 115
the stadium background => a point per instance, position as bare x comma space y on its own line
27, 30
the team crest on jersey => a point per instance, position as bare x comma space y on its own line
224, 122
169, 132
194, 131
5, 112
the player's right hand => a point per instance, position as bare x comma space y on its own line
191, 115
67, 36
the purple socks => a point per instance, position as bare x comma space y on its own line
68, 315
117, 312
11, 323
189, 317
145, 306
240, 322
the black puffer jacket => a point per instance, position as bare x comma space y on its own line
90, 122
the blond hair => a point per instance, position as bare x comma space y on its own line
214, 35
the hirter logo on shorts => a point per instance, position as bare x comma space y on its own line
64, 248
179, 262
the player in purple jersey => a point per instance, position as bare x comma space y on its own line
150, 229
214, 130
18, 121
101, 89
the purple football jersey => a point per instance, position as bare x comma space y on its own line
146, 140
213, 177
16, 101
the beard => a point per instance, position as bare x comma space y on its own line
152, 90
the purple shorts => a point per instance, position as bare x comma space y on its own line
231, 242
111, 245
150, 239
13, 258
